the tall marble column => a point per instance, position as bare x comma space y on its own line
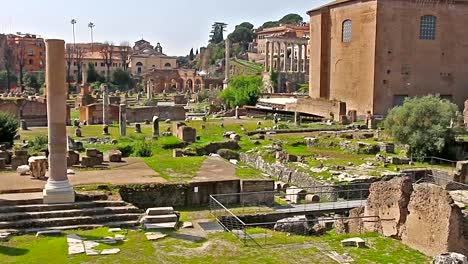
227, 64
304, 66
267, 56
299, 57
285, 57
291, 67
123, 120
105, 104
272, 56
278, 57
58, 188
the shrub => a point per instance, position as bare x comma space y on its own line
242, 90
143, 149
126, 149
8, 127
39, 143
423, 124
228, 154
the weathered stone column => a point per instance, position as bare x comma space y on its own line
227, 64
299, 57
291, 66
105, 104
155, 126
278, 57
57, 189
123, 120
304, 66
267, 54
285, 57
272, 56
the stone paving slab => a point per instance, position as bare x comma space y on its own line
215, 168
134, 170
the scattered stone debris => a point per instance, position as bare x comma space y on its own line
49, 233
113, 230
450, 258
154, 236
110, 251
79, 245
4, 236
187, 225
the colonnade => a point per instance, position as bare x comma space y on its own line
278, 59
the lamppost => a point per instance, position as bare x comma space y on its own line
73, 22
91, 27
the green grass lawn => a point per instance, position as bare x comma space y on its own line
215, 248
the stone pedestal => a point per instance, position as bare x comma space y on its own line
155, 126
123, 120
57, 189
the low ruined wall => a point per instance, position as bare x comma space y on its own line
262, 192
173, 194
140, 114
320, 107
34, 111
279, 171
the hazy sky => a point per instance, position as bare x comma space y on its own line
178, 24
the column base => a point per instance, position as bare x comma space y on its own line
57, 192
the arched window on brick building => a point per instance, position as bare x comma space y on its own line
347, 33
428, 27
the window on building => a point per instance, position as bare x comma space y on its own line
102, 64
74, 63
31, 62
95, 64
139, 70
347, 33
30, 52
428, 27
167, 65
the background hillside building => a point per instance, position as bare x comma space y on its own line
145, 57
372, 54
30, 49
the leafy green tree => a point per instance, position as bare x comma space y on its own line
31, 80
93, 75
246, 25
291, 19
191, 55
423, 124
243, 34
270, 24
122, 79
217, 32
9, 127
216, 52
242, 90
5, 81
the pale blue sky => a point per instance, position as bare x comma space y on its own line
178, 24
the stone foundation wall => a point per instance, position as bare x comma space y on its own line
188, 194
263, 192
320, 107
34, 111
139, 114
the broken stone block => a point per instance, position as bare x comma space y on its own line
154, 236
91, 152
73, 158
115, 156
353, 242
177, 153
450, 258
110, 251
2, 163
387, 147
23, 169
5, 155
38, 166
90, 162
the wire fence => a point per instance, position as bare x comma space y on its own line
294, 215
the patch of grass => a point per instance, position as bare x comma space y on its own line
246, 172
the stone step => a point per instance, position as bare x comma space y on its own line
68, 213
169, 225
160, 211
58, 207
65, 221
154, 219
131, 223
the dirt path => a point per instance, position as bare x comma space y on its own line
216, 168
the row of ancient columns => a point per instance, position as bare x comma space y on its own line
297, 62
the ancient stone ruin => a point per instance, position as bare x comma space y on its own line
465, 113
423, 216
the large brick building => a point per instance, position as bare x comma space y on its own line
371, 54
30, 49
